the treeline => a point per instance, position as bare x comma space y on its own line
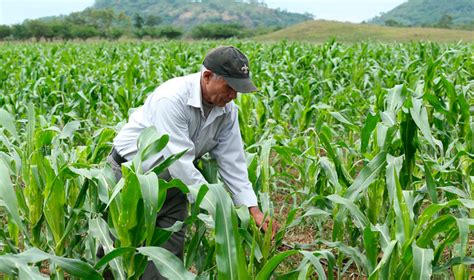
106, 24
446, 21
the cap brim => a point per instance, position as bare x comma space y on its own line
241, 85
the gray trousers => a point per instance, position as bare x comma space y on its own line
174, 209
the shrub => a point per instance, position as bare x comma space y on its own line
216, 31
5, 31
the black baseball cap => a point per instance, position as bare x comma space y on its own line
230, 63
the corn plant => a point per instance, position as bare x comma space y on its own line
365, 149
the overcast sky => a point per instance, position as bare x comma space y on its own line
15, 11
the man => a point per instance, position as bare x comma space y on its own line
198, 113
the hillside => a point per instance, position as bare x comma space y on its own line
320, 31
189, 13
442, 13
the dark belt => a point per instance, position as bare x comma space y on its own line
117, 157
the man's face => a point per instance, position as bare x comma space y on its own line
217, 91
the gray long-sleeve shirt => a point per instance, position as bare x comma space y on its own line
175, 108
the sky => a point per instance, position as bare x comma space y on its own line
15, 11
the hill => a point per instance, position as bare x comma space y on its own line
440, 13
189, 13
320, 31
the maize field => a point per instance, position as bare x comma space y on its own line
363, 153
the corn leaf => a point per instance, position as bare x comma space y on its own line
229, 254
272, 263
7, 194
421, 263
167, 264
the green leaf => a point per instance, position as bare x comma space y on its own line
430, 183
313, 211
149, 187
208, 202
454, 190
359, 258
69, 129
150, 144
230, 258
338, 116
431, 210
409, 137
249, 239
128, 205
440, 224
395, 99
316, 264
72, 266
453, 262
463, 226
403, 223
370, 245
167, 163
366, 176
331, 172
267, 270
100, 150
99, 230
28, 272
209, 169
384, 264
369, 126
8, 122
7, 195
361, 221
264, 163
112, 255
420, 116
422, 259
167, 264
76, 267
324, 137
193, 245
55, 200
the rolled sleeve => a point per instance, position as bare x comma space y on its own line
230, 157
168, 117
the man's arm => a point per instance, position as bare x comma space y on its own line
230, 157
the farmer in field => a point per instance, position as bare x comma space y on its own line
198, 113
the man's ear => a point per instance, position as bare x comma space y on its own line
207, 75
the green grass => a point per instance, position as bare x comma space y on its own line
321, 31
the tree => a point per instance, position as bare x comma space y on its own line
170, 32
5, 31
152, 20
20, 32
101, 19
152, 32
39, 29
138, 21
392, 22
84, 32
61, 29
446, 21
115, 33
216, 31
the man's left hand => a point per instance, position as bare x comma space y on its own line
258, 216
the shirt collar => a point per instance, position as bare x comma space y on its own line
195, 95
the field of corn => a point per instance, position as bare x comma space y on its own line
364, 154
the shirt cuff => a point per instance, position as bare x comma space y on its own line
246, 198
